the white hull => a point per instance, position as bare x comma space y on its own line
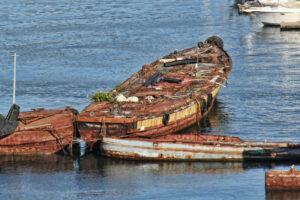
276, 18
276, 15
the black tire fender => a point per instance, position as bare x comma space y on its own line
203, 106
166, 118
209, 100
215, 40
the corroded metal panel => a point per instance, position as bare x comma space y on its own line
283, 180
40, 132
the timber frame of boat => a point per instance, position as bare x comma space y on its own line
196, 147
283, 179
171, 94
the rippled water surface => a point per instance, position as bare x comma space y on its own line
69, 49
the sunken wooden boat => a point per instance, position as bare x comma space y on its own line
36, 132
196, 147
283, 179
165, 96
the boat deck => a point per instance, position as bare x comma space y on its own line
193, 80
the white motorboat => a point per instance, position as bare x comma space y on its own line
250, 6
276, 15
272, 2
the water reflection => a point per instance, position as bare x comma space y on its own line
282, 195
37, 164
214, 123
90, 176
92, 162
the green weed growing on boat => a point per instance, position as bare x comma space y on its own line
118, 88
100, 97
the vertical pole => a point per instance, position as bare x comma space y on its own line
15, 73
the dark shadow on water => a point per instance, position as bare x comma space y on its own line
282, 195
270, 29
277, 27
281, 35
271, 25
215, 119
39, 164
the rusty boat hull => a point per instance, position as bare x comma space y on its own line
283, 180
170, 94
195, 147
39, 132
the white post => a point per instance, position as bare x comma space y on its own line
15, 69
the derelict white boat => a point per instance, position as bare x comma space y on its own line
196, 147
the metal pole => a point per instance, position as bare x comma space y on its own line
15, 73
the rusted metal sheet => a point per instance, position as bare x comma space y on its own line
173, 93
283, 180
40, 132
193, 147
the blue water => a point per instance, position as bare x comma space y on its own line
69, 49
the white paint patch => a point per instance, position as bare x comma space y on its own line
214, 79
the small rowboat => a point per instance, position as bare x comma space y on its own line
196, 147
283, 179
165, 96
36, 132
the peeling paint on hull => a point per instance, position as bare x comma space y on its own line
166, 151
193, 150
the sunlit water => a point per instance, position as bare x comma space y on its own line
69, 49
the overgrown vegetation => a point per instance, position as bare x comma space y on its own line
100, 97
106, 96
118, 88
